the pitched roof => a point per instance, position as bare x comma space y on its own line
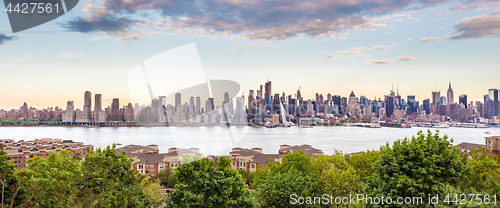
264, 158
468, 146
352, 94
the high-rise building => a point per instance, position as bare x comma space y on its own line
177, 100
410, 98
463, 100
198, 105
162, 100
87, 103
426, 106
98, 103
69, 115
436, 98
115, 114
240, 110
259, 92
449, 95
443, 100
191, 105
493, 96
226, 97
268, 95
389, 105
209, 105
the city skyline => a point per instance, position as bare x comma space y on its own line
99, 105
78, 101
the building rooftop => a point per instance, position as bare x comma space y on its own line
468, 146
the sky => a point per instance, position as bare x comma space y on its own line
321, 46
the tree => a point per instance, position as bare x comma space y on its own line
277, 189
153, 191
338, 178
109, 181
420, 167
247, 177
296, 174
166, 177
202, 184
485, 177
363, 163
52, 181
7, 179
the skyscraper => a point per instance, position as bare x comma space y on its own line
268, 95
443, 100
226, 97
463, 100
436, 98
162, 100
191, 105
493, 95
177, 100
98, 103
389, 105
115, 114
87, 103
209, 105
426, 106
449, 96
198, 106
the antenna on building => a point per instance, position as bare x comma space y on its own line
398, 89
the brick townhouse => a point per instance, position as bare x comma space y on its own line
19, 152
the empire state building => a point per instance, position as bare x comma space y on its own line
449, 96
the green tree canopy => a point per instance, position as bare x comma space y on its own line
51, 181
486, 171
363, 163
295, 174
8, 180
419, 167
109, 181
201, 183
338, 177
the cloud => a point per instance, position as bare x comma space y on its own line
249, 20
382, 47
108, 23
380, 62
407, 58
430, 39
68, 55
415, 69
334, 56
482, 26
348, 54
24, 57
5, 38
465, 5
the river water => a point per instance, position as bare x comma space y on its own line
218, 140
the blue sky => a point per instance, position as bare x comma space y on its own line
322, 46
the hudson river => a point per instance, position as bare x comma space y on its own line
220, 140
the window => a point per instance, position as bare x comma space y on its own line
141, 167
162, 165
